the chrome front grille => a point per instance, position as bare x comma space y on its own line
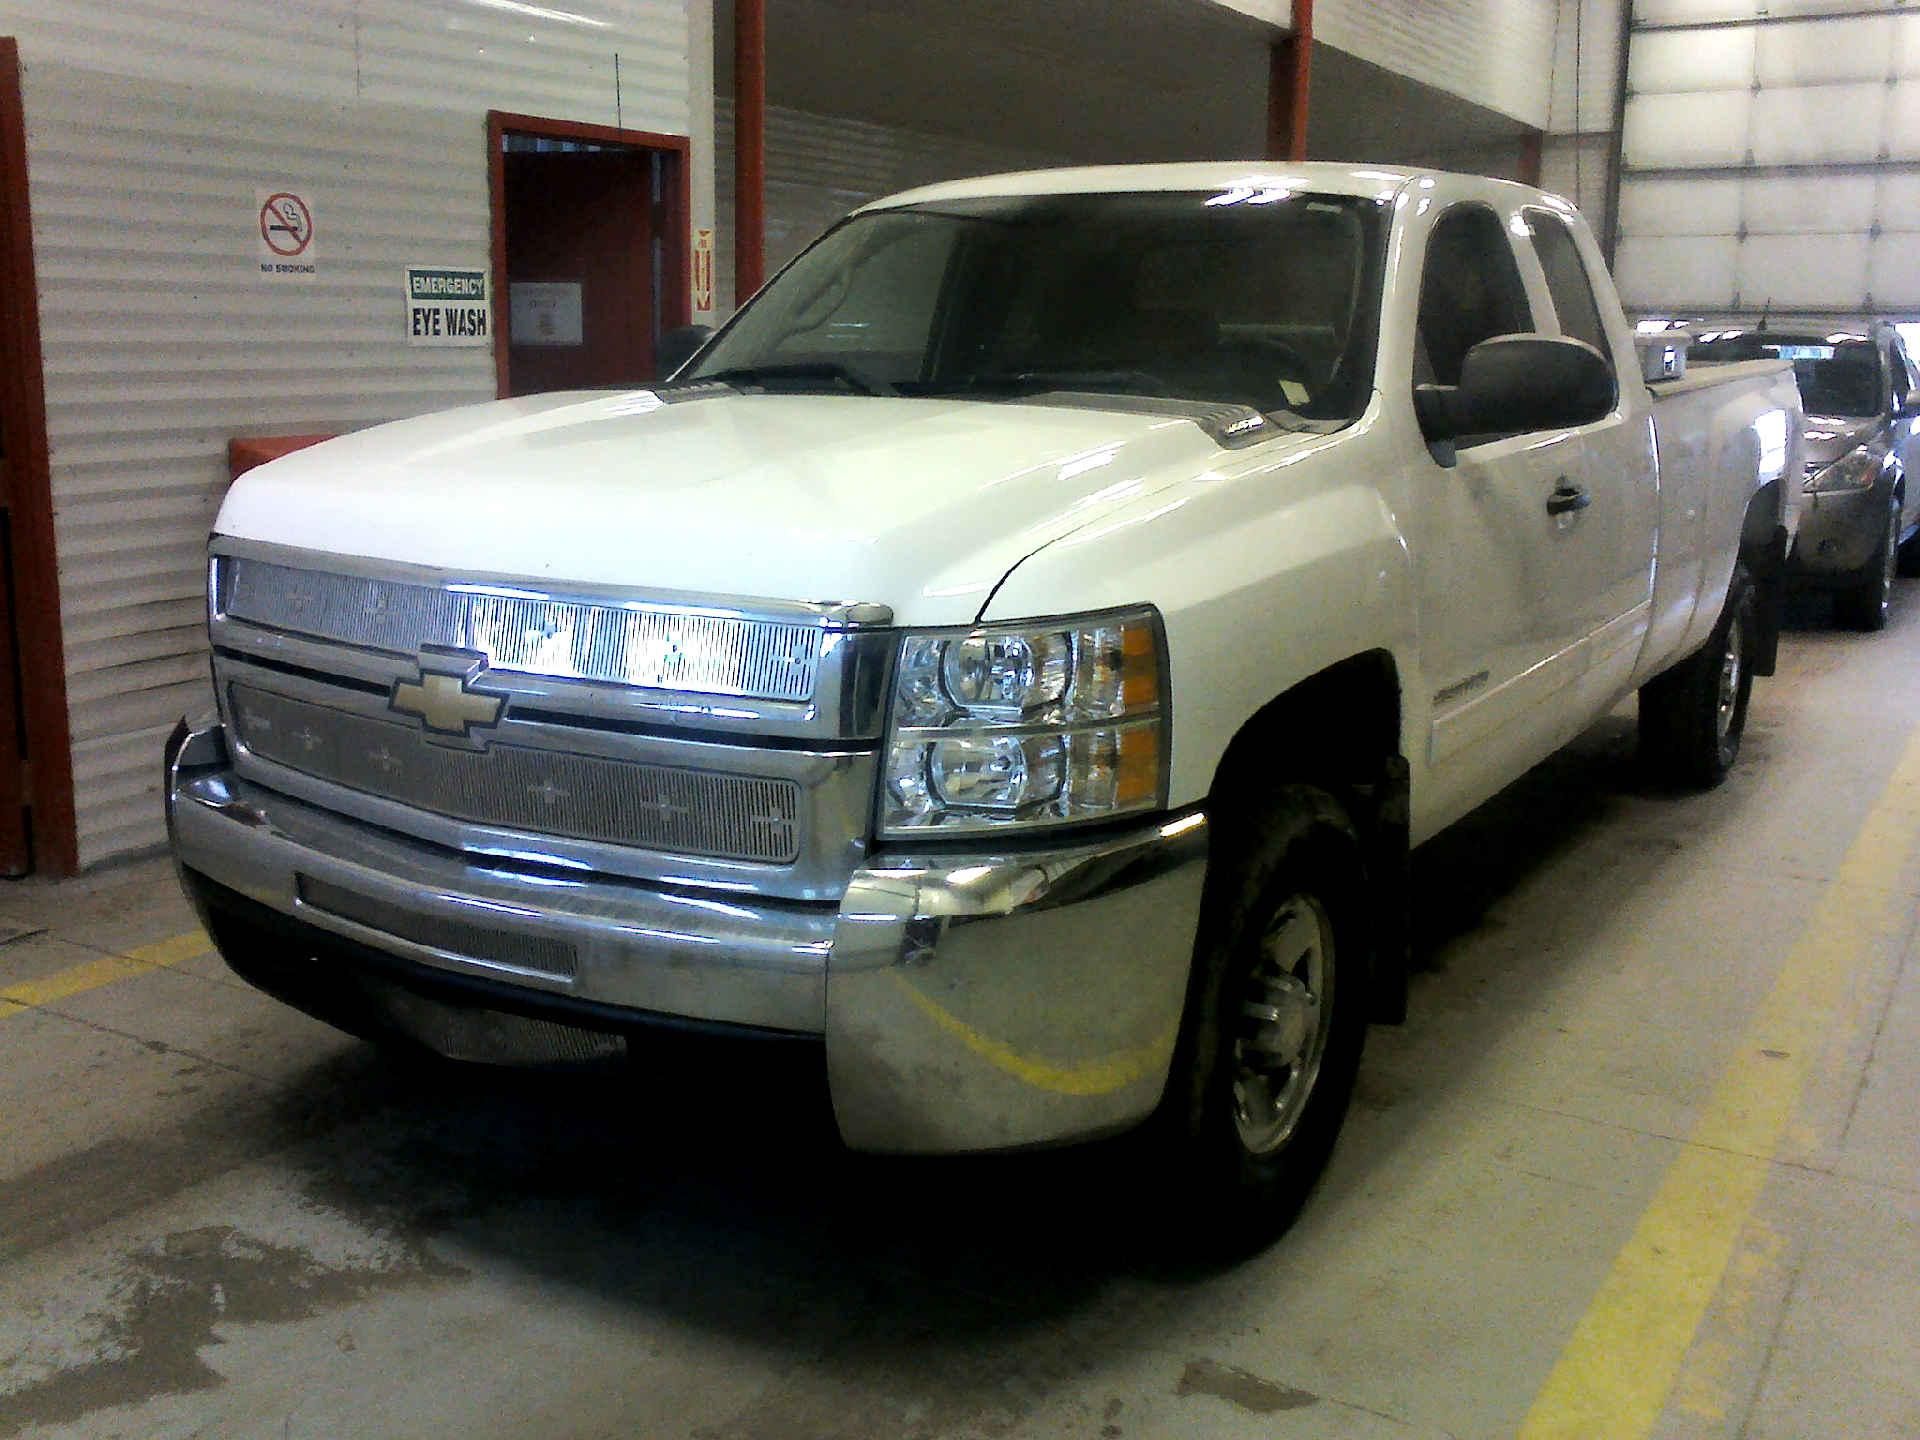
546, 792
652, 647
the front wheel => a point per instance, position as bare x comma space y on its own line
1692, 716
1907, 558
1866, 604
1275, 1020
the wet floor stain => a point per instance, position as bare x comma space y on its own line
173, 1296
1241, 1387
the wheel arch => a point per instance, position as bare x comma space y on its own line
1763, 550
1340, 730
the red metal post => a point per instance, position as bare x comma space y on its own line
1289, 82
1530, 142
749, 147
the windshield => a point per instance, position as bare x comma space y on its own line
1258, 297
1838, 375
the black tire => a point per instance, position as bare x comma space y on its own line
1693, 716
1866, 604
1239, 1168
1906, 561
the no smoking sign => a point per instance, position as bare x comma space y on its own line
284, 233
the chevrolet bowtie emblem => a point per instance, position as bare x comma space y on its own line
446, 703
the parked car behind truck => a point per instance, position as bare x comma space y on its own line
1016, 655
1862, 524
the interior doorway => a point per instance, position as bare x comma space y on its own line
36, 799
590, 254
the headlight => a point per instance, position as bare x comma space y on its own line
1855, 470
1023, 726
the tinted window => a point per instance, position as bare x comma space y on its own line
1263, 297
1567, 279
883, 308
1470, 291
1838, 374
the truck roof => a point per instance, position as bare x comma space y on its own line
1377, 181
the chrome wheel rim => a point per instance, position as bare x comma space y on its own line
1730, 666
1284, 1018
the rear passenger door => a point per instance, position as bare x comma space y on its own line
1501, 610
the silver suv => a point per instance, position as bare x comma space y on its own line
1863, 440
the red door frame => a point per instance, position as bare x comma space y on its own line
23, 418
676, 290
1289, 86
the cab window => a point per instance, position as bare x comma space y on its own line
1567, 280
1470, 290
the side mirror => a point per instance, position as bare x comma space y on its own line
1519, 382
678, 346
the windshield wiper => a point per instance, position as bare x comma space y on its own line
1037, 382
799, 370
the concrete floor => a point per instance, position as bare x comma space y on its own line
1645, 1161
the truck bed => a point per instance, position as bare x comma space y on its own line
1745, 406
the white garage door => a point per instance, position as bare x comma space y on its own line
1771, 153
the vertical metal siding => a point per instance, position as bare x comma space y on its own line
819, 167
150, 126
1496, 53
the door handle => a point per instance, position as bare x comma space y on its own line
1568, 497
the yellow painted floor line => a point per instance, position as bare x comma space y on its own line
74, 980
1615, 1375
105, 970
173, 950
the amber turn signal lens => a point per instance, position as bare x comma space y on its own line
1140, 689
1138, 774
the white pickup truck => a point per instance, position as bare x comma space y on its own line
1016, 655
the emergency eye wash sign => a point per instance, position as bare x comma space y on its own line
447, 306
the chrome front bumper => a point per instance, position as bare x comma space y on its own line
967, 1002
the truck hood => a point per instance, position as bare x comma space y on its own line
918, 504
1831, 436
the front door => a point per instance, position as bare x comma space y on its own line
1500, 609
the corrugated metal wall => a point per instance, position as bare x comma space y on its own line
1772, 155
150, 128
819, 167
1496, 53
1585, 72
